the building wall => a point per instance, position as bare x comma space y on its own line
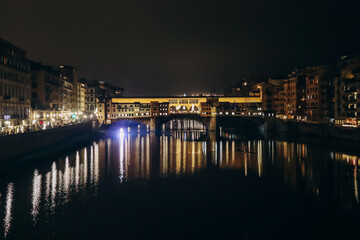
90, 99
101, 113
114, 108
187, 104
71, 75
14, 87
164, 109
33, 141
278, 99
295, 95
67, 89
206, 109
45, 88
81, 96
347, 91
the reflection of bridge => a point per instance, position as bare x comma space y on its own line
156, 111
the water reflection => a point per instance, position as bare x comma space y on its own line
36, 195
141, 157
8, 208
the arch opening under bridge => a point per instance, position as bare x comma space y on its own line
184, 122
143, 124
192, 122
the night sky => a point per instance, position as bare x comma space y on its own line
163, 47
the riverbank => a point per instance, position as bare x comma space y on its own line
45, 143
297, 129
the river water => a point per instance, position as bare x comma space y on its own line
178, 184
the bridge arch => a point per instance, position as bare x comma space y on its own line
184, 121
130, 122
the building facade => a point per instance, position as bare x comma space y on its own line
67, 90
347, 92
111, 109
71, 75
90, 100
15, 102
294, 95
81, 95
45, 88
319, 94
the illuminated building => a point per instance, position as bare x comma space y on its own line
46, 95
138, 107
14, 88
154, 108
278, 99
164, 109
205, 109
71, 75
67, 89
347, 91
101, 113
81, 94
90, 100
266, 96
99, 90
294, 95
319, 94
45, 87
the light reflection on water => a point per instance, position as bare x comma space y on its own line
36, 195
8, 208
142, 157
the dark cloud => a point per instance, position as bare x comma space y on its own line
169, 47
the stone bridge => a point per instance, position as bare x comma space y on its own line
211, 123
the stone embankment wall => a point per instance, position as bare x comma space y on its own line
312, 129
14, 146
